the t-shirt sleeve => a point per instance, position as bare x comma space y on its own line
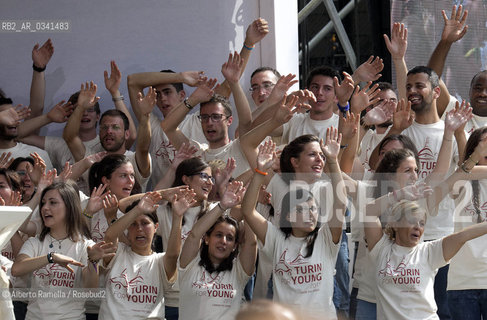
122, 247
375, 252
30, 248
167, 283
271, 238
435, 254
241, 276
328, 241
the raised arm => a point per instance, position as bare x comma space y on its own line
58, 114
40, 58
369, 70
454, 242
453, 30
145, 104
185, 152
112, 84
397, 47
86, 100
170, 123
231, 197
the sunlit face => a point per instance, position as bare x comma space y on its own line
420, 92
201, 184
310, 162
5, 190
215, 131
324, 91
23, 170
112, 133
478, 95
168, 98
410, 229
304, 218
262, 84
53, 209
121, 181
221, 242
140, 234
407, 172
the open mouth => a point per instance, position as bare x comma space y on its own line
414, 99
317, 168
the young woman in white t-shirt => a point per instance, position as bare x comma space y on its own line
215, 264
61, 258
137, 276
303, 251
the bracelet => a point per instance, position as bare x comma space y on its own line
115, 99
186, 103
219, 205
343, 109
50, 259
470, 158
85, 214
464, 167
447, 139
343, 146
248, 48
261, 172
36, 68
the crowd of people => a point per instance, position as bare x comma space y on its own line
173, 219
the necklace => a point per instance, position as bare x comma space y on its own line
59, 242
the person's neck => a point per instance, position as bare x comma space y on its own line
7, 144
219, 144
428, 117
58, 233
306, 177
299, 233
122, 150
325, 115
146, 251
87, 135
380, 130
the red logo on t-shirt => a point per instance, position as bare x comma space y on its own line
123, 281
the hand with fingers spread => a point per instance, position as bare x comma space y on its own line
60, 112
110, 203
223, 176
13, 116
96, 157
455, 27
304, 97
362, 98
112, 83
414, 192
101, 250
344, 89
233, 195
266, 156
369, 70
264, 196
95, 203
39, 168
46, 179
65, 261
147, 103
15, 199
186, 151
65, 174
232, 69
331, 147
256, 31
149, 202
403, 117
42, 55
6, 160
87, 95
204, 91
182, 201
280, 89
381, 113
349, 125
286, 110
457, 118
192, 78
398, 43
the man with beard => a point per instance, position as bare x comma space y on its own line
114, 131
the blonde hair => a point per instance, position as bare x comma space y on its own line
400, 210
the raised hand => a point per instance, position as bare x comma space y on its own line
204, 91
362, 98
42, 55
112, 83
266, 155
286, 110
39, 168
192, 78
149, 201
455, 27
96, 157
344, 90
95, 203
281, 88
60, 112
222, 177
264, 196
380, 113
369, 70
6, 160
458, 117
256, 31
46, 179
232, 69
304, 97
65, 174
182, 201
399, 41
15, 199
349, 125
331, 147
87, 95
13, 116
101, 250
186, 151
65, 261
147, 103
414, 192
233, 195
403, 117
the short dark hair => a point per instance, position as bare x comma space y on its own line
322, 71
117, 113
177, 85
383, 86
262, 69
406, 142
188, 167
73, 99
218, 98
432, 75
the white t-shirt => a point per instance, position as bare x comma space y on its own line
369, 142
229, 150
161, 149
212, 296
59, 151
99, 225
428, 139
55, 277
24, 150
306, 283
474, 123
468, 268
301, 124
405, 278
135, 286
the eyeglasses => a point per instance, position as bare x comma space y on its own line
215, 117
267, 86
205, 177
